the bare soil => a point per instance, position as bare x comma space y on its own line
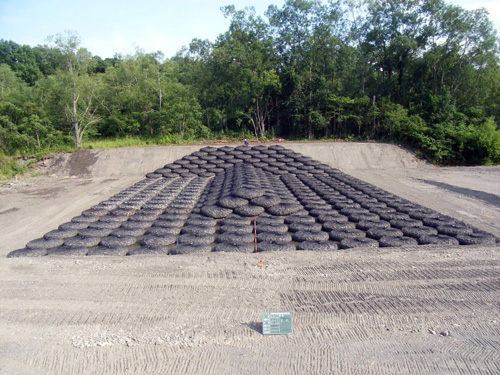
419, 310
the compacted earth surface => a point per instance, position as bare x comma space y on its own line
142, 260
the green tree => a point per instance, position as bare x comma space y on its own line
78, 91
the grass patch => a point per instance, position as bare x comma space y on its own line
10, 167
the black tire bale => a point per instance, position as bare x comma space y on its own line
320, 212
311, 227
21, 253
155, 241
189, 249
418, 232
378, 233
439, 239
68, 251
172, 216
272, 220
95, 232
201, 220
136, 225
303, 235
373, 205
72, 225
232, 202
216, 212
422, 213
60, 233
400, 241
318, 246
123, 211
193, 239
339, 205
236, 229
157, 250
284, 209
274, 237
236, 238
95, 212
234, 248
249, 210
248, 193
179, 210
161, 231
168, 223
312, 204
236, 220
351, 243
453, 230
393, 216
382, 210
121, 232
402, 223
352, 210
113, 241
82, 241
112, 219
42, 243
105, 225
339, 235
368, 224
108, 251
476, 239
337, 218
142, 217
357, 217
154, 175
85, 219
266, 200
272, 227
208, 149
439, 221
198, 229
333, 225
272, 246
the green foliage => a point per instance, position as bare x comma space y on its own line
10, 167
425, 74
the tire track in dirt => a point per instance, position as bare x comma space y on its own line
193, 315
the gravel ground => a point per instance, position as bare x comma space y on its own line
404, 310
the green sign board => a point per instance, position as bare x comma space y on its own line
277, 323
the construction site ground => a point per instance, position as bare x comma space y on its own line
417, 310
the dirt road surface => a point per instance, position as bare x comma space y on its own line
418, 310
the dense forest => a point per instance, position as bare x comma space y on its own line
422, 73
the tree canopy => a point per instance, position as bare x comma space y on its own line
423, 73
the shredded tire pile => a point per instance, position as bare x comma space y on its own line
248, 199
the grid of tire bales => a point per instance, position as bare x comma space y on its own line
248, 199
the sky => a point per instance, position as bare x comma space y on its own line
108, 27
